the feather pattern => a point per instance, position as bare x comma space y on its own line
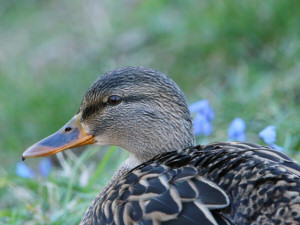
220, 183
223, 183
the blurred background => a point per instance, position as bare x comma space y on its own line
242, 57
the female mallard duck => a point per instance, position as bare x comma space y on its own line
166, 180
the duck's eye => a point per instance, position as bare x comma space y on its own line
114, 100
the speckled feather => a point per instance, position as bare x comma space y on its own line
220, 183
146, 113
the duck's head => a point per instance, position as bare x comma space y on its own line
138, 109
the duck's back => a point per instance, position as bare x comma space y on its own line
263, 184
220, 183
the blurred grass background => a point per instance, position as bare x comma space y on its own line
243, 56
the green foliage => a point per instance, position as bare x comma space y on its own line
61, 198
243, 56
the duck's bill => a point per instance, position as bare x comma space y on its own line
71, 135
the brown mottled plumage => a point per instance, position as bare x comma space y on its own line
246, 184
166, 180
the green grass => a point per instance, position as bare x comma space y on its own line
243, 56
63, 196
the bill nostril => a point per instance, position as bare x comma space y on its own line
68, 129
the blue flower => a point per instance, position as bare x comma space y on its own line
278, 148
204, 114
22, 170
268, 134
202, 125
45, 167
203, 107
236, 130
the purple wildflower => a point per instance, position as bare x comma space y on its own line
269, 136
22, 170
236, 130
278, 148
203, 107
204, 114
45, 167
202, 125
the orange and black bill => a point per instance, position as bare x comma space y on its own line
71, 135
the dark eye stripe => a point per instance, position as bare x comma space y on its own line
98, 107
92, 109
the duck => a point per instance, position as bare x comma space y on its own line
168, 179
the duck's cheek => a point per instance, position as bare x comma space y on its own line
109, 138
102, 140
86, 128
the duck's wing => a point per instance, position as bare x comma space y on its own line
263, 184
155, 193
263, 154
220, 183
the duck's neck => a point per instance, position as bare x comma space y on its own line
144, 144
124, 168
142, 152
